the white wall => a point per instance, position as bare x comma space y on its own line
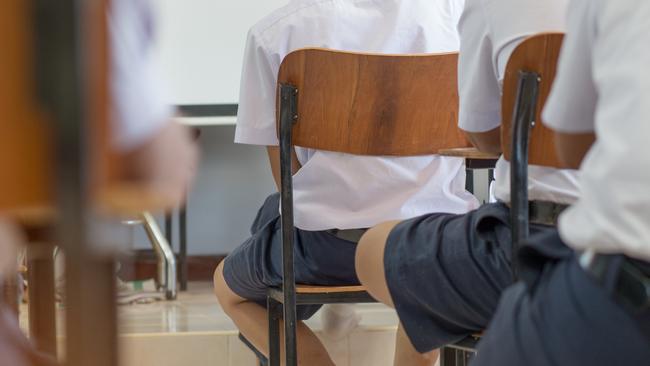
201, 44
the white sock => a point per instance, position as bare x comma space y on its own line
339, 320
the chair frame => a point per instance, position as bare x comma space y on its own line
282, 302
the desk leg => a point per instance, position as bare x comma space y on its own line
91, 314
182, 223
469, 180
168, 228
42, 311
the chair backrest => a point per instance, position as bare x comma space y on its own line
26, 174
29, 92
369, 104
537, 54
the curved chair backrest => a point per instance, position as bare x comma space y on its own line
369, 104
25, 172
537, 54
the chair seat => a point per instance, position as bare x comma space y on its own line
467, 153
307, 289
309, 295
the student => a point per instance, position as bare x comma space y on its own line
159, 153
336, 195
444, 273
589, 304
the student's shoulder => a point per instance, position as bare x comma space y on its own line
286, 15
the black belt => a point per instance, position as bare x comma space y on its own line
632, 286
544, 212
353, 235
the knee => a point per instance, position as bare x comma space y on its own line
221, 289
369, 257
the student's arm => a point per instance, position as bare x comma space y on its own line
488, 142
479, 93
572, 147
274, 160
571, 114
165, 163
158, 153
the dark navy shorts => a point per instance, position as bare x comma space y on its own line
446, 272
320, 258
558, 315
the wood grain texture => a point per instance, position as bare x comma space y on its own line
536, 54
467, 153
369, 104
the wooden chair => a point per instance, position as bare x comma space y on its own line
55, 158
525, 140
360, 104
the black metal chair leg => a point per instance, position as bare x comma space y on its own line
182, 250
469, 180
275, 315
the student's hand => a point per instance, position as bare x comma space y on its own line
165, 165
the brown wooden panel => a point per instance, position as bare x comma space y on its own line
537, 54
306, 289
369, 104
467, 153
24, 137
42, 315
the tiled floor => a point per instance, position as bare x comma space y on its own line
193, 330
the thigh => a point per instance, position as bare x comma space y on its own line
446, 273
319, 259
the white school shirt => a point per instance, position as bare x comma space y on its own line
490, 30
140, 107
334, 190
603, 85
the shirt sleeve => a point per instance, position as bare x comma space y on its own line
478, 84
257, 96
139, 107
567, 110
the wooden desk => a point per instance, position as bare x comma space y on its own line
207, 121
474, 159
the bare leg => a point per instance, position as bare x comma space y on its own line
252, 321
405, 353
370, 269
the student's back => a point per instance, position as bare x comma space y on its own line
490, 31
334, 190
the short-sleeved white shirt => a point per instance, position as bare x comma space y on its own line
334, 190
490, 30
140, 108
603, 85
